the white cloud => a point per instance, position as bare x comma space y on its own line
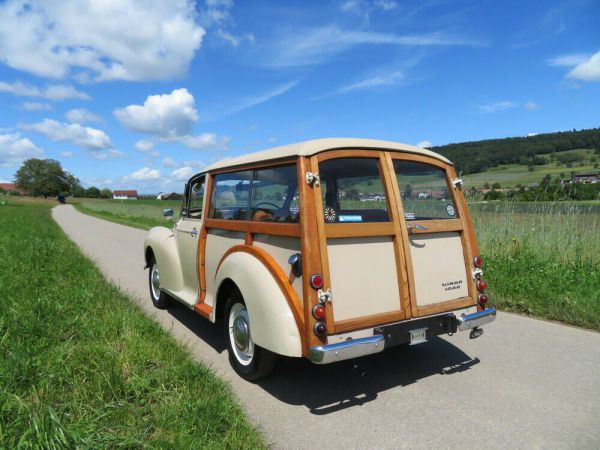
14, 149
206, 141
111, 153
167, 161
144, 146
104, 40
531, 105
235, 40
145, 174
36, 106
386, 5
498, 106
50, 92
66, 154
570, 60
388, 79
256, 100
310, 46
81, 115
424, 144
195, 164
155, 154
532, 134
168, 115
182, 174
86, 137
588, 70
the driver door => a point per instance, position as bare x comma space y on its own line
187, 232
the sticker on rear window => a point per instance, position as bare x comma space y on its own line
330, 215
409, 216
450, 210
350, 218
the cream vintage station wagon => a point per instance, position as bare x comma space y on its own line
327, 249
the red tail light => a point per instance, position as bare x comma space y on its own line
481, 285
477, 261
316, 281
320, 329
482, 299
318, 311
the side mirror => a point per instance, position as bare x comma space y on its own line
168, 212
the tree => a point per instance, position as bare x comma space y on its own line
45, 177
408, 190
496, 185
106, 193
352, 194
92, 192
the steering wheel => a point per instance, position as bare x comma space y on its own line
258, 205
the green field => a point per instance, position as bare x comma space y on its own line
82, 367
511, 175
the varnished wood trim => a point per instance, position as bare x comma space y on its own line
440, 307
255, 165
359, 323
201, 257
249, 239
203, 309
344, 230
249, 226
278, 275
311, 257
436, 226
420, 158
348, 153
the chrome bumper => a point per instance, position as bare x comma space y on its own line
477, 319
325, 354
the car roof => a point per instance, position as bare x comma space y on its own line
309, 148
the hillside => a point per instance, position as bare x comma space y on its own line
479, 156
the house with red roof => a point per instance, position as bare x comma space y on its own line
125, 195
11, 187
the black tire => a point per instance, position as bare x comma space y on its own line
262, 361
159, 299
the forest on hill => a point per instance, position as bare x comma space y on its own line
479, 156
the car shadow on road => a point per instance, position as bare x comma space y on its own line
326, 389
330, 388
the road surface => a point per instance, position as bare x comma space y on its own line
524, 384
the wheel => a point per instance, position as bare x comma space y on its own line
159, 298
249, 360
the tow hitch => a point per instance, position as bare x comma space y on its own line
475, 333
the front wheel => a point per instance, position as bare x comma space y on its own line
159, 298
249, 360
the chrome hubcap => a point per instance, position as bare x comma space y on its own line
155, 282
240, 335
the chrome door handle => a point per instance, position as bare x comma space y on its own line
410, 226
194, 233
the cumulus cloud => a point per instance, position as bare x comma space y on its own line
569, 60
15, 149
588, 70
531, 105
50, 92
144, 146
497, 106
167, 161
122, 39
35, 106
85, 137
182, 174
168, 115
424, 144
66, 154
111, 153
145, 174
81, 115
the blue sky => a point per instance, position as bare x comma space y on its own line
141, 94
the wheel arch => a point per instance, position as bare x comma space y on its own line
160, 243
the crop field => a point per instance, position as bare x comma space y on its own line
82, 366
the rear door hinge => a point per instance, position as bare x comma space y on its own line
324, 296
457, 183
312, 178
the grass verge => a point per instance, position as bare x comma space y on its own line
130, 219
82, 367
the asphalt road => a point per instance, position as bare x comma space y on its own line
524, 384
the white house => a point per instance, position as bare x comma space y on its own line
125, 195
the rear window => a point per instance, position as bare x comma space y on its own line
353, 191
424, 191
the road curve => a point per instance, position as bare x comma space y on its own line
525, 383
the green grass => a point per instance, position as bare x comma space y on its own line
541, 259
82, 367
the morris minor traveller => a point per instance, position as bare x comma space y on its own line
328, 249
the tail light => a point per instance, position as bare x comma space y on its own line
320, 329
481, 285
478, 262
316, 281
318, 311
482, 299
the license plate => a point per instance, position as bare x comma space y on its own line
418, 336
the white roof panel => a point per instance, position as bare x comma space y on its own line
309, 148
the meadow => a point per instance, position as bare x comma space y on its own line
82, 366
541, 259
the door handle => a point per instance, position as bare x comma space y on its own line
194, 232
410, 226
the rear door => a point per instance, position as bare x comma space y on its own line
437, 248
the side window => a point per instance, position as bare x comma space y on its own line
353, 191
196, 198
424, 191
231, 196
275, 195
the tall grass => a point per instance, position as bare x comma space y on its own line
143, 214
82, 367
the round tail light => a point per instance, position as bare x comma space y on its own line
316, 281
481, 285
482, 299
318, 311
477, 261
320, 329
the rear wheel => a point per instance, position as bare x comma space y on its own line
159, 298
249, 360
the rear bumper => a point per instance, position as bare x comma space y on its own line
396, 334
